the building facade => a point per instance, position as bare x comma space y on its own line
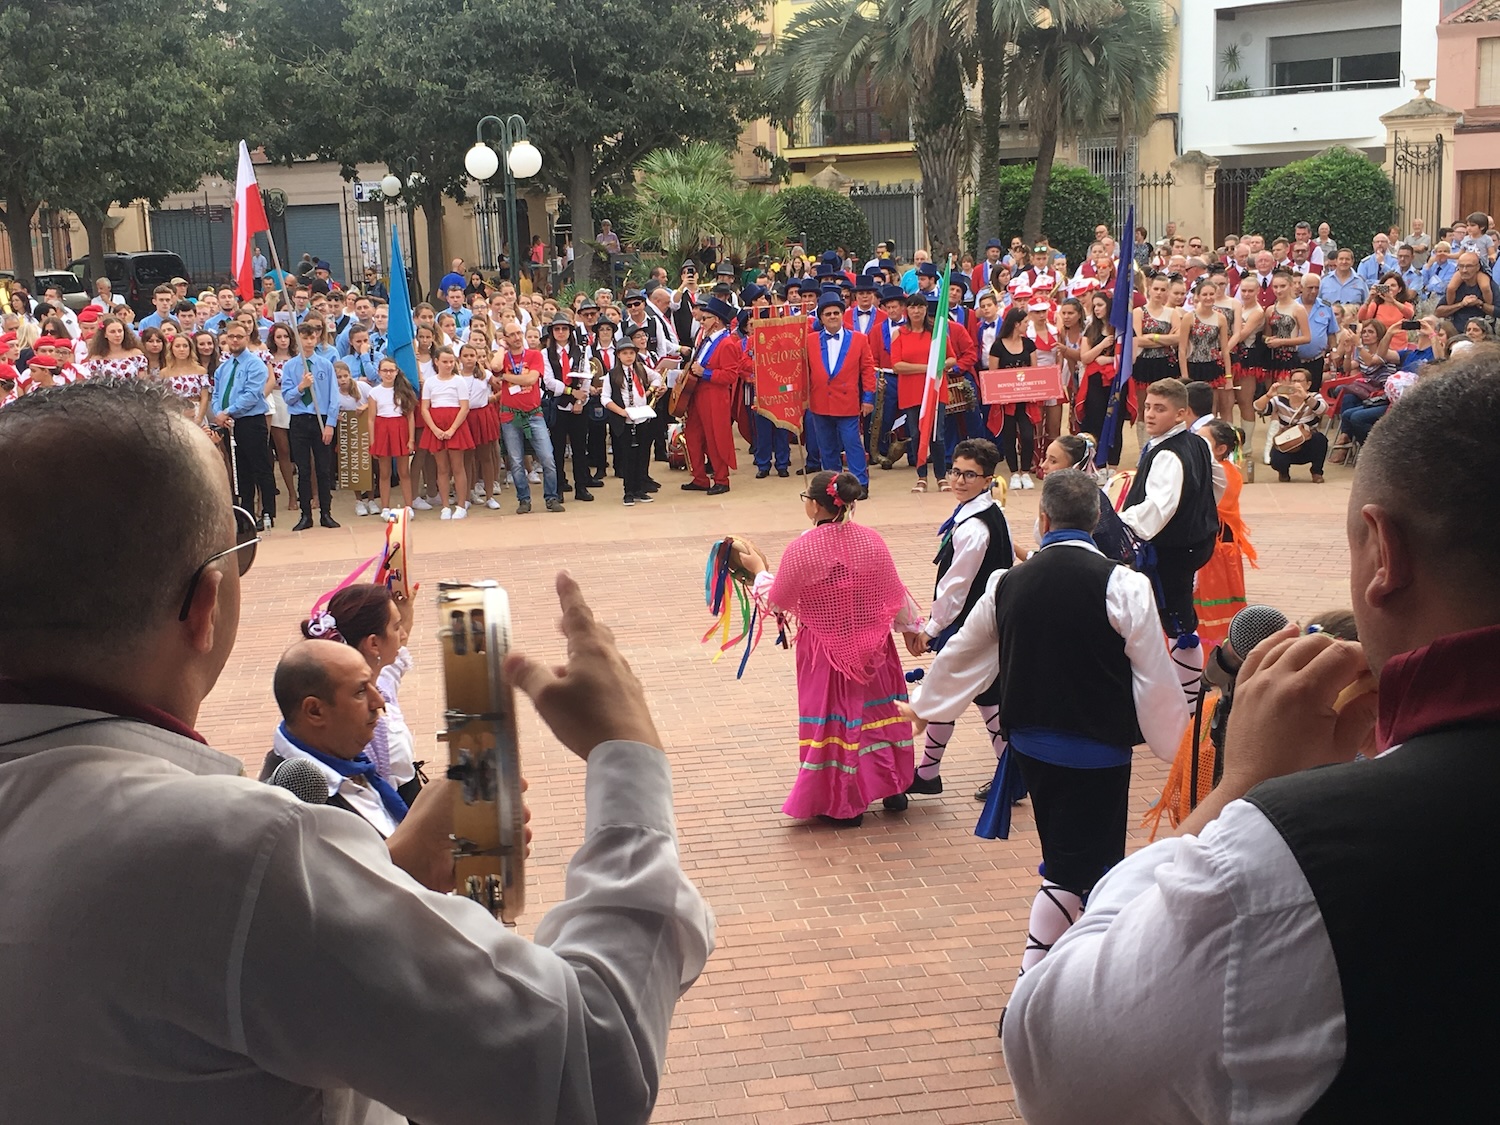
1469, 61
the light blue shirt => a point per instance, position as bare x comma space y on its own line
240, 386
324, 390
1355, 291
1435, 278
461, 316
215, 322
1411, 277
153, 320
1322, 325
1372, 267
342, 343
909, 280
366, 367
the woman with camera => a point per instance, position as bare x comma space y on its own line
1390, 304
1299, 410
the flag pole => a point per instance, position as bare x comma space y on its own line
291, 323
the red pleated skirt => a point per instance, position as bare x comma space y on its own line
442, 417
484, 423
389, 438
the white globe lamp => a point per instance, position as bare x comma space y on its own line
525, 160
481, 161
390, 186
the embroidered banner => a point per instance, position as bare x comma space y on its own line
781, 370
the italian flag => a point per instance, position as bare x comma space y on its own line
937, 360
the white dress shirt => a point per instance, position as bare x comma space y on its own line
832, 341
971, 539
1163, 491
358, 792
1199, 985
970, 660
205, 948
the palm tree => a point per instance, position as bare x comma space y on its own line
912, 53
681, 195
753, 220
1081, 66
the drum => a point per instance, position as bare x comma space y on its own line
489, 820
960, 394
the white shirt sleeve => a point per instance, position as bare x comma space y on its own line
1199, 985
971, 539
1160, 707
968, 664
1163, 494
549, 380
337, 941
400, 745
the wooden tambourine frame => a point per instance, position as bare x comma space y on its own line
489, 826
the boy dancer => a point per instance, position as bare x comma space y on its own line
975, 544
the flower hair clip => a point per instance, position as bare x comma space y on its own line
833, 493
324, 628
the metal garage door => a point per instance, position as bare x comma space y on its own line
316, 229
199, 235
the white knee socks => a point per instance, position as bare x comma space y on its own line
1052, 912
933, 746
991, 715
1187, 657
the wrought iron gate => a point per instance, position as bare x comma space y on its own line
1231, 192
1417, 172
894, 214
1119, 168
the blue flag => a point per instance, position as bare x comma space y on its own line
400, 337
1120, 315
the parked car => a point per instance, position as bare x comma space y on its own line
135, 275
75, 296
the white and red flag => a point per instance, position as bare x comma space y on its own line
249, 220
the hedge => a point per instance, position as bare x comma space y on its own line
1339, 187
828, 219
1077, 202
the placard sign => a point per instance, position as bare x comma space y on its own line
353, 440
1020, 384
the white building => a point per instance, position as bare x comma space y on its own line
1266, 83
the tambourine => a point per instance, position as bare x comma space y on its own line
1119, 487
395, 560
489, 821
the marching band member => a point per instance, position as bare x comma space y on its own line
627, 386
566, 379
716, 364
840, 389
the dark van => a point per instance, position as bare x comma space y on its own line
136, 275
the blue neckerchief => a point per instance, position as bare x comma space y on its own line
1066, 535
838, 364
358, 767
951, 522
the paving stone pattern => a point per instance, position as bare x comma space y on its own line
860, 972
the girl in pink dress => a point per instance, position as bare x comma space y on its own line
840, 583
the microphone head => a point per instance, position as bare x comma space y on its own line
1252, 625
302, 780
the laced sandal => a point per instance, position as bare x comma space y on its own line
920, 486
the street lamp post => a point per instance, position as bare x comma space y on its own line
521, 160
391, 186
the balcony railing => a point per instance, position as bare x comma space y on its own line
818, 128
1233, 90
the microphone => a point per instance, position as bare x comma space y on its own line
1247, 629
302, 780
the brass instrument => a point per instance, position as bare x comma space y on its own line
960, 393
489, 820
596, 370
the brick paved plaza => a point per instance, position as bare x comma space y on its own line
859, 972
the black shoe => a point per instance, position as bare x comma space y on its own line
584, 496
597, 481
864, 493
718, 490
629, 500
762, 474
694, 486
843, 821
781, 472
924, 787
304, 523
327, 521
801, 472
983, 792
898, 803
652, 486
564, 485
644, 498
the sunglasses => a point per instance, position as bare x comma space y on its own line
246, 541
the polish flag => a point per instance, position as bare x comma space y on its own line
249, 220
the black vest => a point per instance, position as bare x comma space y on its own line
1197, 517
1410, 918
1063, 666
997, 556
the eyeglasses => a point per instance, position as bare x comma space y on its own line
245, 537
968, 476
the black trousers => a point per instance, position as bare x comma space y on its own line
598, 444
252, 454
1175, 568
1315, 370
1080, 819
632, 445
312, 458
1310, 452
1018, 424
570, 433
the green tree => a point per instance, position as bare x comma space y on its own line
912, 52
1077, 202
1339, 187
84, 86
1074, 67
685, 195
827, 219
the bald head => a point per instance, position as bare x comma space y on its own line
100, 569
326, 698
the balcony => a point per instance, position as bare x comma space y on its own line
821, 127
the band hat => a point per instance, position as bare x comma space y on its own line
927, 269
794, 283
865, 283
831, 256
633, 295
7, 339
562, 320
825, 269
90, 314
886, 264
724, 269
994, 244
752, 293
957, 278
652, 287
892, 293
720, 309
626, 345
638, 329
42, 361
588, 305
1022, 290
323, 265
689, 266
830, 301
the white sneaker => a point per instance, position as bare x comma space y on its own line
421, 504
492, 504
461, 513
446, 514
535, 476
1026, 481
503, 482
476, 495
1015, 481
359, 508
385, 514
